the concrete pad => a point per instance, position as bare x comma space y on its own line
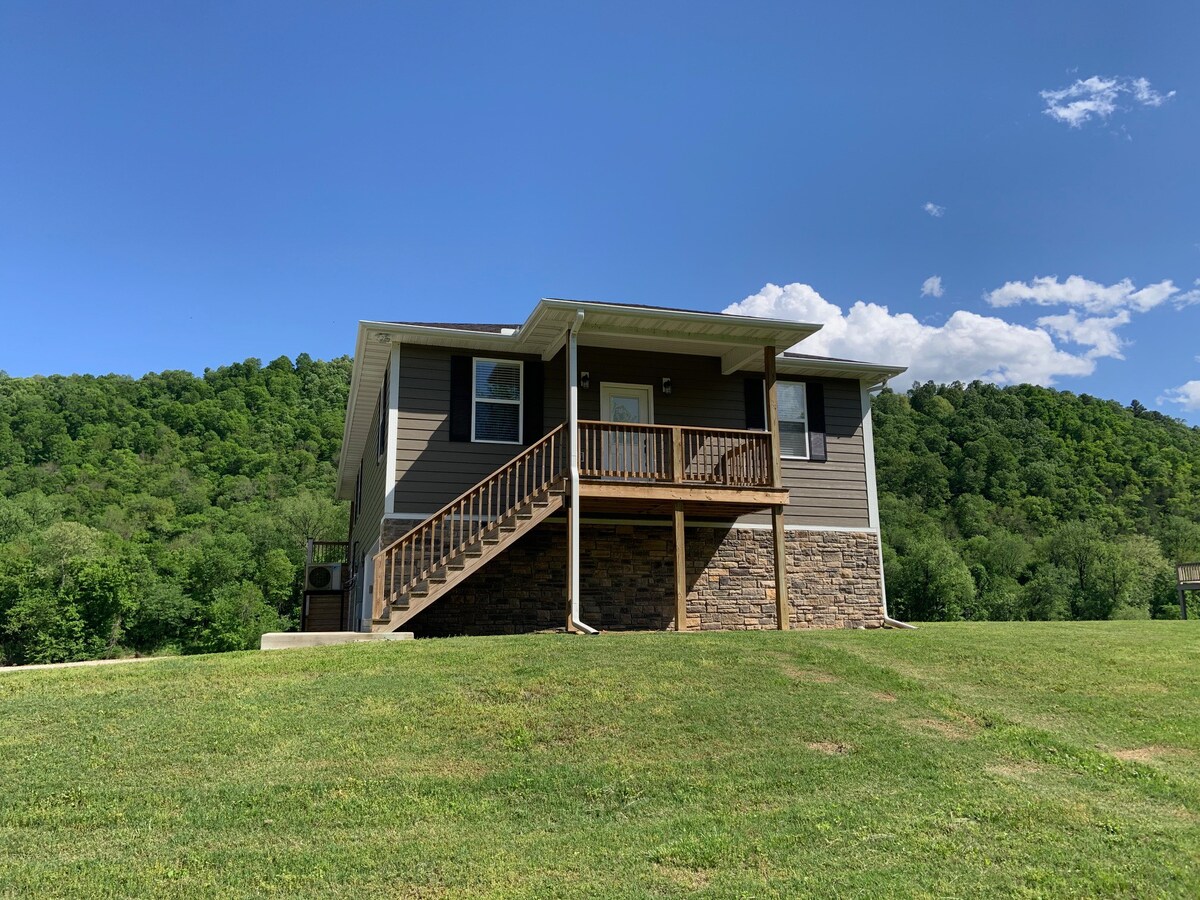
285, 640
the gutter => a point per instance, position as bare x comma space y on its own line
573, 462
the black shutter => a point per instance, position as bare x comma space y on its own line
816, 422
460, 398
534, 389
756, 407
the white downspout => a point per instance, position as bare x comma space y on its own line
873, 502
573, 464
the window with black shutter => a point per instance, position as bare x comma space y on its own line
496, 401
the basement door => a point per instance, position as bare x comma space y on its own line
628, 450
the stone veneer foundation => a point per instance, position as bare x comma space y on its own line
627, 582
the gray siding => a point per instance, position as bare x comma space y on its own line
365, 528
833, 492
700, 394
431, 469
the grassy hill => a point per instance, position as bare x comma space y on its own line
963, 759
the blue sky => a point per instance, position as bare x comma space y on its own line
185, 185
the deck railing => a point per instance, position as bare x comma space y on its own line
1188, 573
674, 454
410, 559
321, 553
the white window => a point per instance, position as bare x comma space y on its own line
793, 420
498, 386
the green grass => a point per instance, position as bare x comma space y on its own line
960, 760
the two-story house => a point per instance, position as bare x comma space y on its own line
607, 466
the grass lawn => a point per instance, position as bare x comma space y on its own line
959, 760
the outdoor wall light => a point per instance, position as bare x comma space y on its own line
585, 380
666, 385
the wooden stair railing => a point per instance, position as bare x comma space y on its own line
424, 563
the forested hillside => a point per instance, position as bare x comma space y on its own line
166, 512
1029, 503
169, 512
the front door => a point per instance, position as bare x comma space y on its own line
628, 451
627, 403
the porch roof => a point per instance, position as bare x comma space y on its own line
736, 340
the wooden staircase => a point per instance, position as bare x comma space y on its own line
467, 533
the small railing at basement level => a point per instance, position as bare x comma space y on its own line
320, 553
674, 454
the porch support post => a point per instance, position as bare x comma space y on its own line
772, 414
1182, 602
680, 572
783, 609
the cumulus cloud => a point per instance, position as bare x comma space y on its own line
1186, 395
966, 347
1098, 97
934, 210
1090, 296
932, 286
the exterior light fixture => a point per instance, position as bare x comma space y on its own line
666, 385
585, 380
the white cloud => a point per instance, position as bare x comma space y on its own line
1146, 95
1099, 333
1091, 296
934, 210
967, 346
1186, 395
1188, 298
932, 286
1098, 97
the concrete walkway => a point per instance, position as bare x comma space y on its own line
86, 662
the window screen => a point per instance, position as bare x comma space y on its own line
793, 420
497, 401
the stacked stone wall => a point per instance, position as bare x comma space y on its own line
627, 582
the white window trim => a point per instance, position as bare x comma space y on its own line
519, 403
807, 432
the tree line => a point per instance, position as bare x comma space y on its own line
1029, 503
168, 513
165, 513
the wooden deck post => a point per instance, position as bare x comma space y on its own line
680, 572
783, 609
772, 414
379, 590
677, 454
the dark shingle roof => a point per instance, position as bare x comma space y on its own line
463, 326
809, 356
635, 305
